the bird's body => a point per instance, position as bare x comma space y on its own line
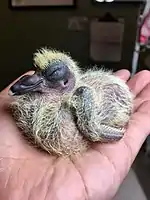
48, 123
95, 108
111, 102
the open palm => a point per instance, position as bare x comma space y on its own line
26, 173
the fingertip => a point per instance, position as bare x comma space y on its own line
123, 74
139, 81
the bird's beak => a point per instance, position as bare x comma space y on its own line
26, 84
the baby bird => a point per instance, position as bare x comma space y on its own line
64, 111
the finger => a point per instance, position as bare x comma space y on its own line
5, 91
122, 153
123, 74
145, 108
138, 130
139, 81
142, 97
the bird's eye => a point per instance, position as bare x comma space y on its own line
56, 73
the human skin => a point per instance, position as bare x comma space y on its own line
26, 173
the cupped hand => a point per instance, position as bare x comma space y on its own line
26, 173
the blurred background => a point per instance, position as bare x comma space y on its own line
78, 28
112, 34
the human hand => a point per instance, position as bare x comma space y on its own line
26, 173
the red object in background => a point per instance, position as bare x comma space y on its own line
145, 29
143, 39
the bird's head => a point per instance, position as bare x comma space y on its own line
54, 70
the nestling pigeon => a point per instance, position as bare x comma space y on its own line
63, 110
